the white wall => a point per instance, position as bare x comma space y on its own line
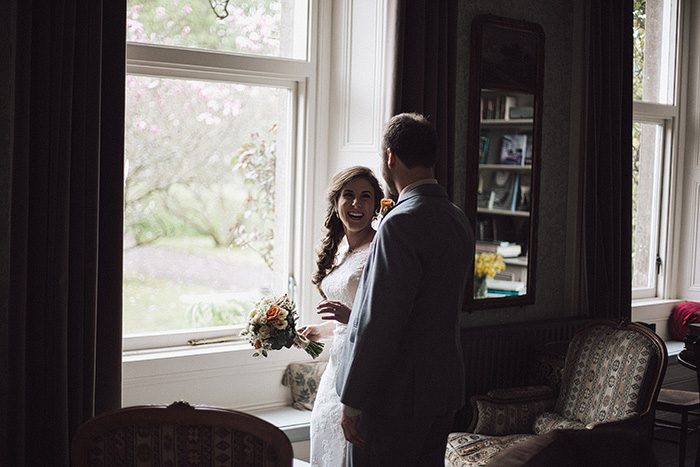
688, 252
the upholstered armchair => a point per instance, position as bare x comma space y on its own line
179, 434
611, 378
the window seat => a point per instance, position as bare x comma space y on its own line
295, 423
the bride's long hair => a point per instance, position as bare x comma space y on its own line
332, 223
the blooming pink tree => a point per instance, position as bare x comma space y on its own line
195, 162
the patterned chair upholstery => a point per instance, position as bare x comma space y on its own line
179, 435
611, 379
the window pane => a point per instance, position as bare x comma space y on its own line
275, 28
646, 172
204, 161
654, 50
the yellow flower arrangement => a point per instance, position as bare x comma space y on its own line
485, 265
488, 264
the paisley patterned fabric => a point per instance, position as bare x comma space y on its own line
548, 421
472, 450
603, 375
177, 445
497, 418
609, 375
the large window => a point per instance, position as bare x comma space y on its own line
214, 110
654, 134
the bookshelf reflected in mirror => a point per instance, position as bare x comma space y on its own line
504, 131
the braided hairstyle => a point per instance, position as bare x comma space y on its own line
332, 223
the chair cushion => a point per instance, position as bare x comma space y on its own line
678, 398
471, 450
681, 318
579, 448
303, 379
499, 419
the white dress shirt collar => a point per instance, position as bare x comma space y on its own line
417, 183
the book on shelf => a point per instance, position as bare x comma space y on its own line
497, 107
505, 249
524, 192
501, 287
483, 146
527, 160
514, 148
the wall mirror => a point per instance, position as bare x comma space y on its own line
503, 157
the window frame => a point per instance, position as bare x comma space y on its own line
296, 75
665, 117
668, 116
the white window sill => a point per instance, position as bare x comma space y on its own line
222, 375
656, 311
184, 351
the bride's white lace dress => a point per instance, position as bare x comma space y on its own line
327, 440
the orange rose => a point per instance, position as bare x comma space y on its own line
385, 205
272, 313
258, 345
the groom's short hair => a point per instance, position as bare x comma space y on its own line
412, 139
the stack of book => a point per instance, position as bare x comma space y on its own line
496, 286
505, 249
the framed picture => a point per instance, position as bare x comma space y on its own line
514, 149
504, 189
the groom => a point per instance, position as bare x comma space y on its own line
401, 375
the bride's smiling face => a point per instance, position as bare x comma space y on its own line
355, 205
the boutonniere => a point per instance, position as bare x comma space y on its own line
385, 205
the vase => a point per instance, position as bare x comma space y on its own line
479, 286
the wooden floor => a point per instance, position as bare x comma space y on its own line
667, 453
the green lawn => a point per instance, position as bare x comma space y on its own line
152, 304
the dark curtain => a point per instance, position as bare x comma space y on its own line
423, 34
607, 161
66, 224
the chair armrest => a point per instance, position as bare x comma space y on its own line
510, 411
523, 393
631, 423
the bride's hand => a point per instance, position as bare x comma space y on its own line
312, 332
331, 309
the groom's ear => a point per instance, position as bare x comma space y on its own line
390, 158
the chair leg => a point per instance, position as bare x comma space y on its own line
697, 457
683, 438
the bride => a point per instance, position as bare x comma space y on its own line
353, 199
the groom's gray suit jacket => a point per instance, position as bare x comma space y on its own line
402, 353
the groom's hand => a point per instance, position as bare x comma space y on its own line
350, 424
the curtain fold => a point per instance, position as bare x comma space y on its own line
423, 40
607, 161
68, 134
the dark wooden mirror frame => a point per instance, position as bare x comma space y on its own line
525, 78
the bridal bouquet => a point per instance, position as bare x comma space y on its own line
271, 326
